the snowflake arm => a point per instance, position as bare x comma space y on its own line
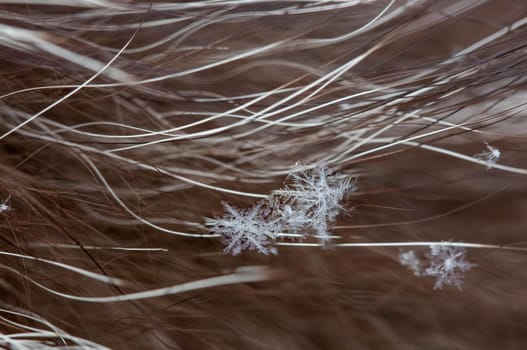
491, 155
411, 261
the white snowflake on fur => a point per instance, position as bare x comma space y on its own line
292, 220
491, 155
5, 206
315, 195
447, 265
308, 205
411, 261
253, 228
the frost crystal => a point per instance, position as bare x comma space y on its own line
4, 206
411, 261
293, 220
253, 229
447, 265
491, 155
308, 205
315, 195
345, 106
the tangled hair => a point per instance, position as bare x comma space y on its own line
371, 149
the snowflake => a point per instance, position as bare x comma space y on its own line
447, 265
254, 228
314, 197
5, 206
308, 205
410, 260
491, 155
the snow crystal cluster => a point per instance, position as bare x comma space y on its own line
308, 205
253, 228
446, 263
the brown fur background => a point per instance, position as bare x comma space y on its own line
340, 298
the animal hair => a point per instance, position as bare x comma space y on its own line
373, 150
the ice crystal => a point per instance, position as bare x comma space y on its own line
490, 156
254, 228
411, 261
315, 197
447, 265
308, 205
